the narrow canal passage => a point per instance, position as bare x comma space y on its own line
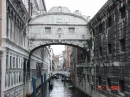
61, 89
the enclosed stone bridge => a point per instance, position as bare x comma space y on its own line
59, 26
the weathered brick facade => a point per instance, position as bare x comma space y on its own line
110, 29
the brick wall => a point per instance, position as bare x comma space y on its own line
111, 54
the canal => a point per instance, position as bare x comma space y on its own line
61, 89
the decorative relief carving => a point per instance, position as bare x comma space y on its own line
39, 43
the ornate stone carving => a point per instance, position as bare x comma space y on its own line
34, 44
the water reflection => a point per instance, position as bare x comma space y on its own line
61, 89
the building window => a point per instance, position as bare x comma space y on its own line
122, 10
100, 51
121, 85
109, 22
6, 80
99, 81
48, 30
109, 48
13, 30
19, 65
8, 25
10, 61
108, 83
93, 32
88, 77
103, 26
71, 30
8, 21
17, 62
122, 45
100, 28
13, 62
24, 39
6, 61
14, 78
19, 77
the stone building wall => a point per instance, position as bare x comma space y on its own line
110, 30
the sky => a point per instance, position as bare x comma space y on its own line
57, 49
87, 7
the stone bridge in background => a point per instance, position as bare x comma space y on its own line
59, 26
66, 73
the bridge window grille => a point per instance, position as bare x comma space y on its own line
48, 30
72, 30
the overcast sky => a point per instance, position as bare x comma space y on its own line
87, 7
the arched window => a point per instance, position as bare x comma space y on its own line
7, 61
6, 80
14, 78
11, 79
19, 77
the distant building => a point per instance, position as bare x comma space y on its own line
56, 62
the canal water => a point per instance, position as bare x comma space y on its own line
61, 89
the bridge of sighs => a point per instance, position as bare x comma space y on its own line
59, 26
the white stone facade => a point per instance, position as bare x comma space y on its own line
14, 50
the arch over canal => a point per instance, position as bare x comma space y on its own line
59, 26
